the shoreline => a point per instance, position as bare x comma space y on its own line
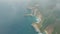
36, 25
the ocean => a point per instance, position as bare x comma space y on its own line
13, 21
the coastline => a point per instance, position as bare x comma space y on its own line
36, 25
34, 12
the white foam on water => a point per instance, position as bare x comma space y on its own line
39, 33
38, 20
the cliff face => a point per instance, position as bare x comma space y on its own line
50, 12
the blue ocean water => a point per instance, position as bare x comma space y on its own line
14, 22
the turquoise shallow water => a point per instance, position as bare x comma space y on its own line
23, 25
26, 27
15, 23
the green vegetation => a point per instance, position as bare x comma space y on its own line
50, 14
54, 19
